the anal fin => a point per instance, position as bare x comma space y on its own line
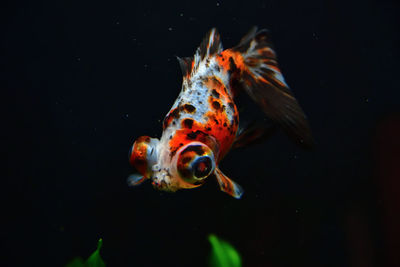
227, 185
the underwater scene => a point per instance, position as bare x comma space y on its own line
200, 133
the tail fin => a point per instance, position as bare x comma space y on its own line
262, 80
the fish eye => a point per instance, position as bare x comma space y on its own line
202, 167
143, 155
195, 163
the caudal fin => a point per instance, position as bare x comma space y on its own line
261, 78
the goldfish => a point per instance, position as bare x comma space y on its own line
203, 124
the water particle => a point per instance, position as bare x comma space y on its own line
170, 28
218, 4
181, 14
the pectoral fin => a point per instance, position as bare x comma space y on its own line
227, 185
135, 179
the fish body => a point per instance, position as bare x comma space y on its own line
202, 125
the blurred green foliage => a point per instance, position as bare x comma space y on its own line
94, 260
223, 254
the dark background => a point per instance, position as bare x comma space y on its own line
81, 81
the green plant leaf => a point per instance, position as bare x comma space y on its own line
77, 262
94, 260
223, 254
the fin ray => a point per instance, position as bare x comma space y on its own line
227, 185
135, 179
264, 83
211, 45
186, 65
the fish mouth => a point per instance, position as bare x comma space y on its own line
162, 181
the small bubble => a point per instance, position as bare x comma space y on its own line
170, 28
117, 22
181, 14
127, 115
367, 100
218, 4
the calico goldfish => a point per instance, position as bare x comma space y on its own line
203, 124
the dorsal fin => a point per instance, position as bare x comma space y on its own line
210, 46
186, 65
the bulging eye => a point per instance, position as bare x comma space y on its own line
195, 163
143, 155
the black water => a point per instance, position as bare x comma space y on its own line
80, 81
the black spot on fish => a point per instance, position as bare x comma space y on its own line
231, 105
225, 124
193, 135
232, 65
208, 129
173, 151
216, 105
175, 113
215, 93
216, 121
189, 108
195, 148
187, 123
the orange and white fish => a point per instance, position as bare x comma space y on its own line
202, 125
